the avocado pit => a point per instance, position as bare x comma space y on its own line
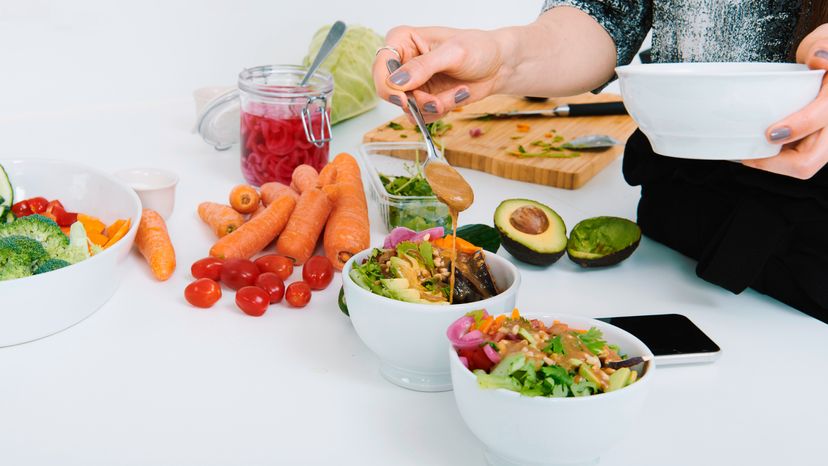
530, 220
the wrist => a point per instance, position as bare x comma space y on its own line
509, 49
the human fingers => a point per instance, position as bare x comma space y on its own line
813, 116
418, 70
802, 159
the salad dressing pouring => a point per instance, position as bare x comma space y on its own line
452, 189
447, 184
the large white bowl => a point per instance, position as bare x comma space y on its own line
534, 431
41, 305
715, 111
410, 338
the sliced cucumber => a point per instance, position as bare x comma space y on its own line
8, 217
6, 190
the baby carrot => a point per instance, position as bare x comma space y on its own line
298, 241
304, 177
347, 231
327, 175
273, 190
257, 233
244, 198
154, 243
223, 219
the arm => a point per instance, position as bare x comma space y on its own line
803, 135
564, 52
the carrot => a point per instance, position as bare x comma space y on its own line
486, 324
244, 198
498, 322
257, 233
462, 245
515, 314
154, 243
327, 175
298, 241
304, 177
271, 191
223, 219
257, 212
347, 232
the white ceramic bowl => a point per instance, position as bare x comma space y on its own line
409, 338
41, 305
715, 111
520, 430
155, 187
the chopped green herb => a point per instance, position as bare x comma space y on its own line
395, 126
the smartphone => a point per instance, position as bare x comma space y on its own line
673, 338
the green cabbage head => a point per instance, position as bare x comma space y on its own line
350, 64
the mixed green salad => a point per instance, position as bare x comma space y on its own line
533, 359
416, 213
415, 267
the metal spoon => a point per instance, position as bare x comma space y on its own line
331, 40
452, 182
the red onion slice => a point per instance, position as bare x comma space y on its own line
491, 353
397, 236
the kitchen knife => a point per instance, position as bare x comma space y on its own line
565, 110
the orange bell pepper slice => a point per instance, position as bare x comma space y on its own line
92, 224
462, 245
97, 238
116, 225
120, 233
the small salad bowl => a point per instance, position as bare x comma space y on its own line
410, 338
523, 430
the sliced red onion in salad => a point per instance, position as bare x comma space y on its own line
459, 335
400, 234
491, 353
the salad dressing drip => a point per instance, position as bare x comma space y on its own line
453, 190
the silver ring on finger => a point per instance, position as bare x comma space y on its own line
390, 49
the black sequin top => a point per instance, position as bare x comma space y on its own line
696, 30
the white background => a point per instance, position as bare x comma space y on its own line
150, 380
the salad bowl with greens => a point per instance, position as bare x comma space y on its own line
547, 389
401, 314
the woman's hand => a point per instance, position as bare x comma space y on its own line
804, 135
443, 67
564, 52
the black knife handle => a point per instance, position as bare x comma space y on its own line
601, 108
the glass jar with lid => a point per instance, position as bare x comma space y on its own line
282, 124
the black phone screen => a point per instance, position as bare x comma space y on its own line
666, 334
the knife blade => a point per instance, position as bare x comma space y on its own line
565, 110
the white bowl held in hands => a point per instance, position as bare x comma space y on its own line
535, 431
40, 305
715, 111
410, 338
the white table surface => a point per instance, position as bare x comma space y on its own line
149, 380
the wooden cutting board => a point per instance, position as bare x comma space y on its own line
489, 152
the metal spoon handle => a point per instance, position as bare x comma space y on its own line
392, 66
334, 36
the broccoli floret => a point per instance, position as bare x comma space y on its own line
19, 255
51, 264
40, 228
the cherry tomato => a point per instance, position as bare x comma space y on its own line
22, 209
66, 219
54, 207
38, 204
298, 294
477, 358
252, 300
202, 293
318, 272
209, 267
280, 265
237, 273
273, 285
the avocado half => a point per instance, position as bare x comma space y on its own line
603, 241
530, 231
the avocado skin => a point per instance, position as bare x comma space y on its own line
525, 254
611, 259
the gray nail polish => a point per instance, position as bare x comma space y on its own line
430, 107
392, 64
395, 99
778, 134
822, 54
461, 95
400, 78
